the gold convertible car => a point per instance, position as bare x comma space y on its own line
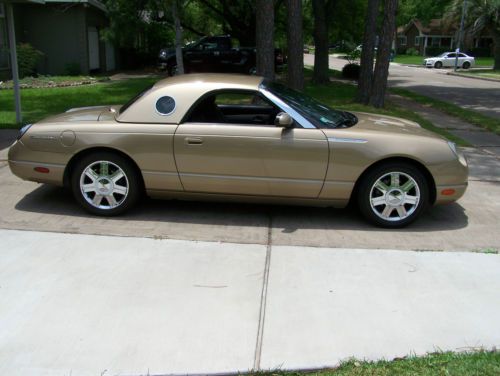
231, 137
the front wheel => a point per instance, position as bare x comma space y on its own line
105, 184
393, 195
438, 65
466, 65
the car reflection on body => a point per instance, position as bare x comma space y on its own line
242, 138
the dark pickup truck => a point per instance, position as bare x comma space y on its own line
215, 54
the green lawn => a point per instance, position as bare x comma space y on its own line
419, 60
40, 103
440, 364
51, 81
487, 73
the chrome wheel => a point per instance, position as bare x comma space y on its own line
394, 196
104, 185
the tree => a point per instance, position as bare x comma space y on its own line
367, 52
295, 45
265, 38
178, 36
321, 11
481, 15
383, 54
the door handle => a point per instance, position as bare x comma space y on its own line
193, 140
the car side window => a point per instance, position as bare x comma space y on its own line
243, 108
461, 55
452, 55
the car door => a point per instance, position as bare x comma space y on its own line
250, 159
449, 61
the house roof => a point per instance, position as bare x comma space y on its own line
95, 3
436, 26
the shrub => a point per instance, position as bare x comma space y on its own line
72, 69
412, 52
351, 71
479, 52
27, 59
434, 51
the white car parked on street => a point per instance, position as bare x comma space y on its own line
447, 59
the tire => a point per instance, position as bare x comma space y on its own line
393, 195
466, 65
438, 65
105, 183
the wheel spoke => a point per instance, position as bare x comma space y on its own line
394, 180
378, 201
91, 174
88, 188
111, 200
412, 200
97, 200
381, 187
104, 168
387, 211
401, 211
116, 176
120, 189
406, 187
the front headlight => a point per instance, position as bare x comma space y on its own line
23, 130
460, 156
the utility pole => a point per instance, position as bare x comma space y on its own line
460, 34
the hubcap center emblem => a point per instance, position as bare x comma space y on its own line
394, 197
104, 186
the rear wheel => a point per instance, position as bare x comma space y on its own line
466, 65
438, 65
393, 195
105, 183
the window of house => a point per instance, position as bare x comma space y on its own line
446, 42
417, 41
402, 40
435, 41
4, 52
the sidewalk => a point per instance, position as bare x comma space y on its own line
92, 305
477, 137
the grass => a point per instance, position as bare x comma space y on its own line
40, 103
488, 73
470, 116
480, 363
340, 95
419, 60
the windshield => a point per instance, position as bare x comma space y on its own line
316, 112
133, 100
443, 54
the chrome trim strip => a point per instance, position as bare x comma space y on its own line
348, 140
43, 137
258, 178
285, 107
41, 164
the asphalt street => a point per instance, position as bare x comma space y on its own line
479, 95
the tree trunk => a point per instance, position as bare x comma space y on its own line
383, 54
366, 72
178, 37
496, 49
295, 45
265, 38
320, 33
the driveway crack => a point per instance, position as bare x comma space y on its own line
263, 297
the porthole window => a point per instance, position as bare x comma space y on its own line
165, 105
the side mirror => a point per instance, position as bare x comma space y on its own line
283, 120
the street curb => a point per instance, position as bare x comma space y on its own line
474, 78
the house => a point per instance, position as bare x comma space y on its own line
436, 36
67, 32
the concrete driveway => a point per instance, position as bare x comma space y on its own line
470, 224
479, 95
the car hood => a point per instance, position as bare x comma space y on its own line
94, 113
382, 123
